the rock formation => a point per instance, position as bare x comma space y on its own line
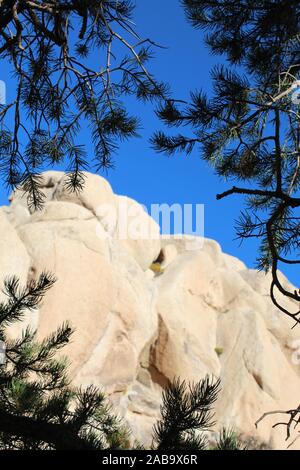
202, 312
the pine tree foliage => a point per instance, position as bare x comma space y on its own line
249, 128
39, 409
228, 440
185, 414
261, 35
73, 62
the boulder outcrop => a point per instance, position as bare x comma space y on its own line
202, 312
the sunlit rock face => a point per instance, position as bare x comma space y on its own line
197, 311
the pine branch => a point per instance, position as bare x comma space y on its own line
186, 409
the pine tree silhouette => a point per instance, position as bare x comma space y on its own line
40, 410
249, 129
50, 47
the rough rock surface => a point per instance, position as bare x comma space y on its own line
203, 313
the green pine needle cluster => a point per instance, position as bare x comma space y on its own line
51, 49
38, 407
248, 128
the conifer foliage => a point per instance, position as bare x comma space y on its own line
185, 414
249, 128
73, 63
39, 410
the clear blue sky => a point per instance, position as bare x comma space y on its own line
149, 177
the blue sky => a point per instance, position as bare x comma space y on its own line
151, 178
